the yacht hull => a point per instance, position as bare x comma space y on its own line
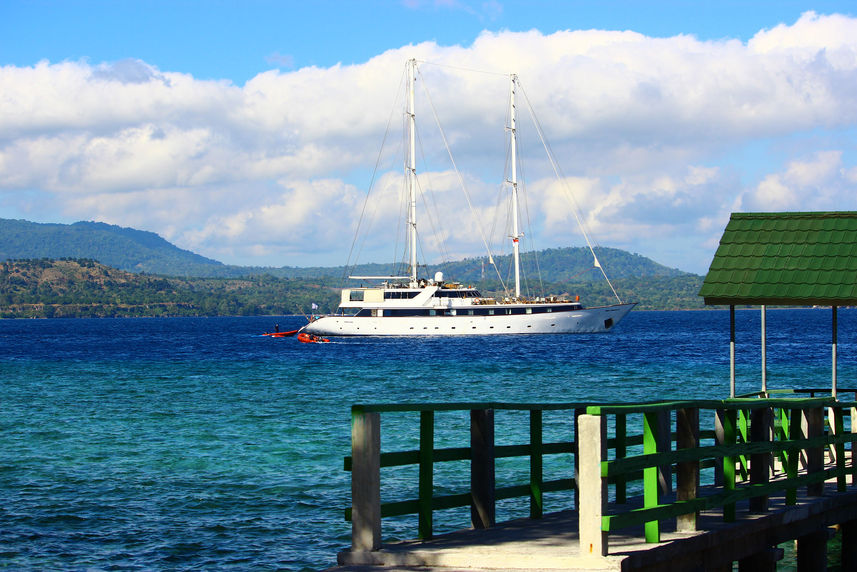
587, 320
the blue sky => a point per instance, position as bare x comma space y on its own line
248, 131
237, 40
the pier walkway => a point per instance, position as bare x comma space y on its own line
668, 496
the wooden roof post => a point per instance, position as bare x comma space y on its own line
731, 351
833, 384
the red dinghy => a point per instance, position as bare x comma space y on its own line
311, 338
281, 334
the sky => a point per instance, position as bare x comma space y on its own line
251, 132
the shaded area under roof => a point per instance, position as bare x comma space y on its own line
790, 259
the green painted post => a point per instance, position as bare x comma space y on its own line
536, 506
744, 433
621, 452
795, 434
729, 438
783, 435
650, 474
426, 484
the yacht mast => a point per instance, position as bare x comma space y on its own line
514, 182
412, 173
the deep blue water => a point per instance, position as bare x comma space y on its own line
188, 443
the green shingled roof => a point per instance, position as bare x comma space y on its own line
785, 259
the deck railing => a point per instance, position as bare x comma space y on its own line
754, 448
366, 462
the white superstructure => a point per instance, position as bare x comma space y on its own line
410, 306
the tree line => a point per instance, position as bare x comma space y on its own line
45, 288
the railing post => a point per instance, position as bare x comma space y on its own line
664, 441
482, 483
719, 439
813, 419
621, 451
726, 432
426, 477
536, 501
854, 444
743, 431
651, 475
783, 435
591, 437
577, 413
793, 465
838, 430
760, 463
687, 473
365, 481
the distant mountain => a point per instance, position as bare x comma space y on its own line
123, 248
140, 251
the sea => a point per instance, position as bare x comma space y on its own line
200, 444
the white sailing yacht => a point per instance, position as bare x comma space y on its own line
414, 306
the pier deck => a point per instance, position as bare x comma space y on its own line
551, 543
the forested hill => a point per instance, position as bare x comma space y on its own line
119, 247
84, 288
140, 251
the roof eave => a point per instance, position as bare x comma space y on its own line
721, 301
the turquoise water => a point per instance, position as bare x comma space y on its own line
190, 443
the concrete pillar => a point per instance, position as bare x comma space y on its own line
482, 484
365, 481
592, 500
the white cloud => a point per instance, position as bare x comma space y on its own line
647, 131
818, 182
